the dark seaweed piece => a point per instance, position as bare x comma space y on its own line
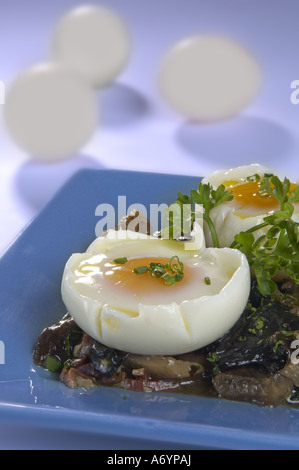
57, 342
106, 361
250, 341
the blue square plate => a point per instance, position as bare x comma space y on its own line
37, 411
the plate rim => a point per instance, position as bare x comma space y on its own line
241, 437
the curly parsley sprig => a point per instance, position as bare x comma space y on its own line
277, 249
207, 197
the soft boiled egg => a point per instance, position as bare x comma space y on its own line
247, 208
140, 314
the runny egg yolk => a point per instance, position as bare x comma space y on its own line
122, 276
249, 194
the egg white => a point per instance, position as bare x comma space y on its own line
179, 321
228, 219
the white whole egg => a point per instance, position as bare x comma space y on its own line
50, 112
94, 41
140, 314
247, 209
208, 77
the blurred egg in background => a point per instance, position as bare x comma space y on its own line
50, 112
52, 109
209, 77
94, 41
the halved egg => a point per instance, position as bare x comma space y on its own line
247, 208
141, 314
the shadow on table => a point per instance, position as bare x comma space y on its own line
121, 105
239, 141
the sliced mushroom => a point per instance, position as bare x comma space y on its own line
264, 390
163, 367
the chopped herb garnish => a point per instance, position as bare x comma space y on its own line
259, 323
68, 364
121, 260
276, 345
169, 279
207, 280
241, 338
67, 345
52, 363
216, 371
141, 270
213, 357
287, 333
254, 178
171, 272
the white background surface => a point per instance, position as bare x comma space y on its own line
137, 130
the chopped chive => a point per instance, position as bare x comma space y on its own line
178, 276
67, 344
68, 364
207, 280
52, 363
157, 269
121, 260
169, 279
171, 272
255, 177
141, 269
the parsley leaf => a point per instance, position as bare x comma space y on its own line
180, 215
278, 249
